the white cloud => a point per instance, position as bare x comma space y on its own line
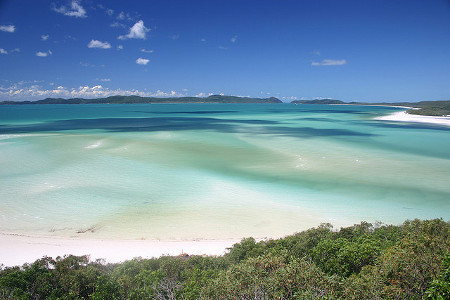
35, 92
203, 95
174, 37
203, 40
119, 47
138, 31
98, 44
85, 64
234, 39
117, 24
126, 16
44, 54
289, 98
159, 93
3, 51
8, 28
15, 50
44, 37
69, 37
105, 79
75, 10
108, 11
330, 62
22, 82
147, 51
121, 16
142, 61
316, 52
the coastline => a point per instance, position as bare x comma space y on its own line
19, 249
402, 116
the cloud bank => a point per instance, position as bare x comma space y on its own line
35, 92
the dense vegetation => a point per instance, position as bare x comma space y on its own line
426, 108
138, 99
364, 261
321, 101
431, 108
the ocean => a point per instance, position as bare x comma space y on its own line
214, 171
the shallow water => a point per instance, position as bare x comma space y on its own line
214, 171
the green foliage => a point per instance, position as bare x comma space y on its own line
440, 287
321, 101
426, 108
431, 108
405, 270
300, 244
364, 261
273, 276
247, 248
344, 257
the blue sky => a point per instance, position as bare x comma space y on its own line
353, 50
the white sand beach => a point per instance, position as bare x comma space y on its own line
19, 249
402, 116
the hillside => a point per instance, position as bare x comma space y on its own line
426, 108
431, 108
137, 99
322, 101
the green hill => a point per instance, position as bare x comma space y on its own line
322, 101
431, 108
426, 108
137, 99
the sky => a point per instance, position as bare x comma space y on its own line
351, 50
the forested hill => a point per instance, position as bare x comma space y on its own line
138, 99
428, 108
321, 101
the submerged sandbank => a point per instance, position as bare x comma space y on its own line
402, 116
19, 249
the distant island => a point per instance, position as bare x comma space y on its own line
426, 108
138, 99
321, 101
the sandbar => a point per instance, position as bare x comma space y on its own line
402, 116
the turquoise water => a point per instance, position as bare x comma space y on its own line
214, 171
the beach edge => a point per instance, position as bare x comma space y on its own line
403, 116
18, 249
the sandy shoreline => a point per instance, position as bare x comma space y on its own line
402, 116
19, 249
